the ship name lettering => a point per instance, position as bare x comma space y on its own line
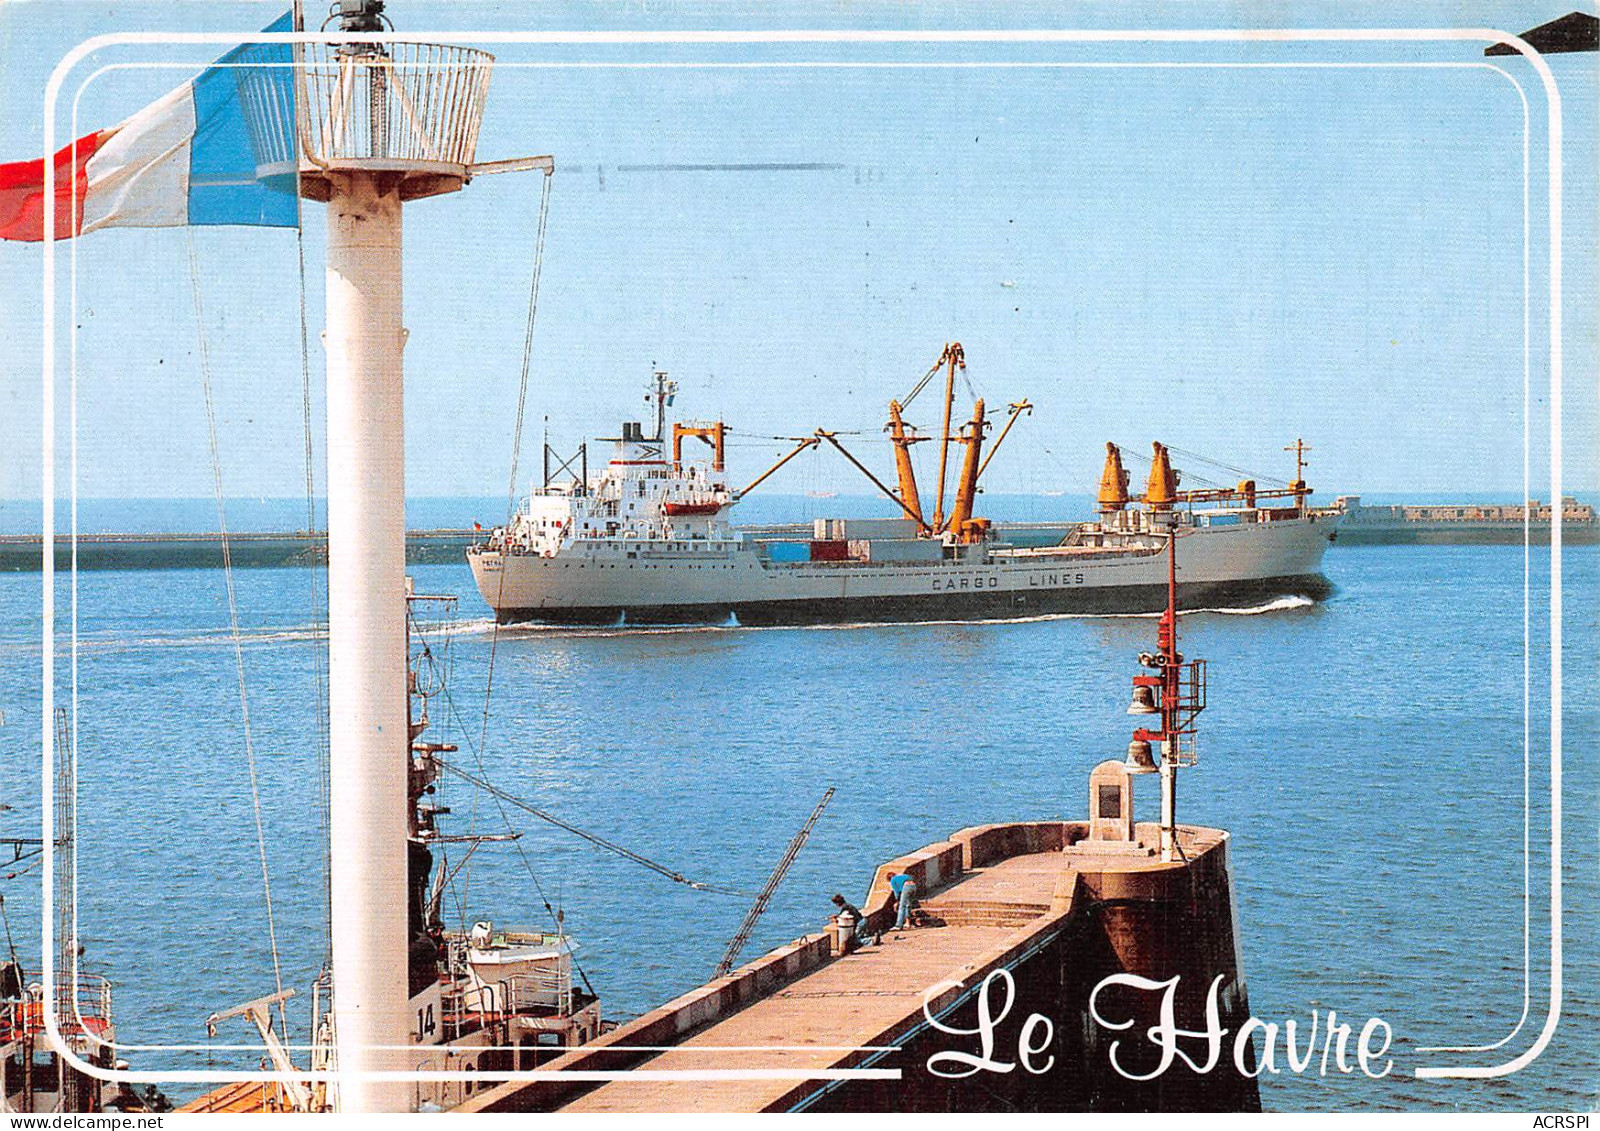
991, 582
1055, 579
1371, 1047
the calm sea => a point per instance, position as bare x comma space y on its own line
1367, 754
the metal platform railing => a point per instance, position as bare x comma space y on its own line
412, 102
410, 107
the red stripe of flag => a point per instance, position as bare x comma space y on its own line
22, 192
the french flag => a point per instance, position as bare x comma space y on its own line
189, 158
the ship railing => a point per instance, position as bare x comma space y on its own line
539, 990
404, 104
83, 1003
468, 1007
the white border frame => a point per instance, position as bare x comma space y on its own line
690, 38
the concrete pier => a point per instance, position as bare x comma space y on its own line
1037, 903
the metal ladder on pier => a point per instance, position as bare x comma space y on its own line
764, 896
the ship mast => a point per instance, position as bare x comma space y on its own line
952, 356
661, 393
369, 140
1298, 488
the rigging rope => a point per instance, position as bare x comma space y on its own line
233, 617
1185, 474
516, 440
511, 502
505, 819
1227, 467
319, 656
527, 343
592, 838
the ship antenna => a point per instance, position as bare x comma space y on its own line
662, 395
1299, 448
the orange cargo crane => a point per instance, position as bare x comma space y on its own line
1113, 482
1162, 494
1019, 409
961, 518
909, 498
960, 521
1161, 491
714, 434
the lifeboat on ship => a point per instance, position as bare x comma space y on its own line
689, 510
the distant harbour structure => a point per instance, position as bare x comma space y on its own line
1466, 523
23, 553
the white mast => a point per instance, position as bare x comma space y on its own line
378, 124
366, 637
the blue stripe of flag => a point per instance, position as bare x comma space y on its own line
225, 186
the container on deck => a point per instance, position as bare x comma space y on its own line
907, 550
873, 528
789, 551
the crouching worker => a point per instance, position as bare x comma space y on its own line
852, 925
849, 916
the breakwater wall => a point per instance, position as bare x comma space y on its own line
22, 553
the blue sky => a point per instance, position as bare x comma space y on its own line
1220, 257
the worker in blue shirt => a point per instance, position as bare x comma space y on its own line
905, 894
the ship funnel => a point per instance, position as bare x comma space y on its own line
1144, 702
1140, 760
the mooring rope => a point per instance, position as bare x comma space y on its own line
233, 617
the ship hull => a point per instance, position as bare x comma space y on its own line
1109, 600
609, 585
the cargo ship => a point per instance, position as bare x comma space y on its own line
649, 540
1467, 523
